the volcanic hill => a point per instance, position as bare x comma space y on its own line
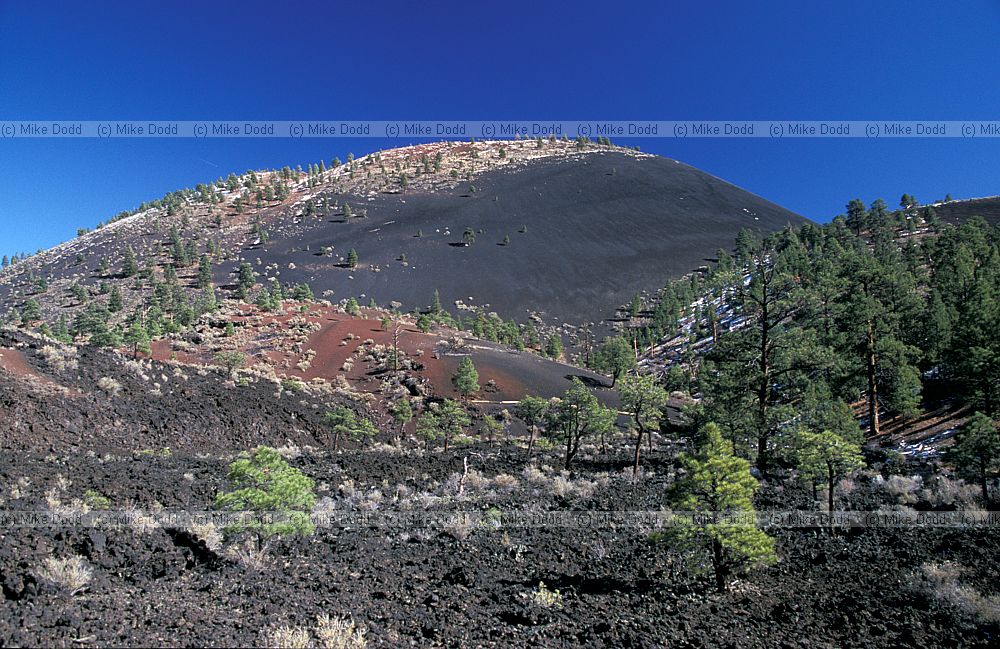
564, 231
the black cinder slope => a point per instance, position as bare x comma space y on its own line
585, 234
957, 212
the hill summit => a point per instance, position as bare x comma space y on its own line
559, 230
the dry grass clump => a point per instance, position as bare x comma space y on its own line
249, 554
560, 484
941, 581
289, 451
505, 482
331, 632
950, 493
904, 489
459, 526
339, 633
55, 504
287, 637
109, 385
140, 521
137, 368
72, 573
534, 476
62, 482
61, 357
208, 533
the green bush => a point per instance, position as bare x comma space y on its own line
264, 483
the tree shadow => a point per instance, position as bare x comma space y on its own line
588, 381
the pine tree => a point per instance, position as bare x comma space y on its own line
469, 236
615, 357
825, 455
857, 215
718, 483
531, 337
881, 300
878, 215
554, 348
635, 308
245, 278
345, 423
645, 399
402, 414
115, 301
352, 258
137, 338
204, 272
575, 416
466, 378
445, 420
531, 410
31, 312
264, 482
130, 266
231, 361
436, 303
61, 331
976, 453
739, 375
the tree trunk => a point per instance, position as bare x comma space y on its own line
984, 485
720, 575
871, 363
829, 495
762, 461
638, 448
336, 441
763, 390
531, 440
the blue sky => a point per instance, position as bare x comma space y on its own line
892, 59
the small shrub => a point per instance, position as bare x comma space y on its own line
285, 637
904, 489
459, 526
339, 633
251, 554
109, 385
264, 482
96, 500
505, 482
73, 574
209, 534
941, 581
950, 493
546, 598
